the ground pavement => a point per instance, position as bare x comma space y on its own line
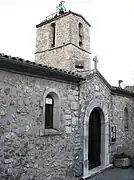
115, 174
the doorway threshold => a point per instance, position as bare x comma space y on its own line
97, 170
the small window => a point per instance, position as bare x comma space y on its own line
52, 110
49, 112
126, 119
79, 64
80, 35
52, 35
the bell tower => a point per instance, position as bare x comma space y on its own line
63, 41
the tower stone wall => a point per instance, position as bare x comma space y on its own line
67, 50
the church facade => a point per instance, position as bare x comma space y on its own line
58, 118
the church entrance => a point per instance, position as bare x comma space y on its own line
96, 139
94, 144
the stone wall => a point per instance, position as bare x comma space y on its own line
74, 22
67, 49
95, 93
62, 34
124, 138
64, 58
27, 152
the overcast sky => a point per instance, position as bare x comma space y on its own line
112, 31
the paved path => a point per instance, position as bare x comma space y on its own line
115, 174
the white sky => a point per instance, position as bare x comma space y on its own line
112, 31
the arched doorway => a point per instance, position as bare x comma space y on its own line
101, 108
94, 144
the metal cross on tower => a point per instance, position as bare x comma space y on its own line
95, 59
60, 9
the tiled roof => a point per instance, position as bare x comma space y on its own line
26, 66
130, 88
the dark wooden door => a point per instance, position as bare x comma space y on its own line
94, 139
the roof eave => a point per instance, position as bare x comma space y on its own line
38, 70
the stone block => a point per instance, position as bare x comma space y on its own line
75, 120
3, 113
122, 162
75, 93
70, 97
74, 106
7, 91
41, 103
8, 161
76, 98
68, 122
68, 129
67, 112
76, 113
68, 116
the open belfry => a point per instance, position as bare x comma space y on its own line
59, 118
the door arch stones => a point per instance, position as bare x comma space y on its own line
104, 120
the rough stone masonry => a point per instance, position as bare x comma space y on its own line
30, 151
26, 152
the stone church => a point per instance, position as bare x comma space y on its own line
60, 119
